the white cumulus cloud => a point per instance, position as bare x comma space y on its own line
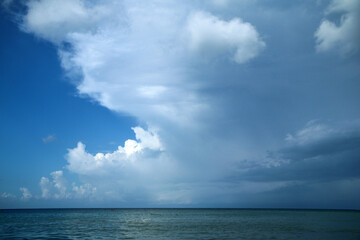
26, 194
45, 186
59, 183
58, 188
54, 20
343, 37
83, 191
82, 162
210, 35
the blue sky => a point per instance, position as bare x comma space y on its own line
180, 104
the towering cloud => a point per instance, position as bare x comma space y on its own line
132, 60
213, 118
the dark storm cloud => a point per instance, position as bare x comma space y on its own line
317, 152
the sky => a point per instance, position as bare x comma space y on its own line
218, 103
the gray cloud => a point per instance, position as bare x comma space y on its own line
345, 36
317, 152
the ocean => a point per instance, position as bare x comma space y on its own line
179, 224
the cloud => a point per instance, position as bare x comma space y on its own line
207, 122
6, 195
83, 191
147, 139
319, 139
108, 60
345, 36
139, 171
319, 151
220, 3
59, 183
25, 193
59, 188
82, 162
137, 64
211, 35
53, 21
45, 186
321, 194
49, 139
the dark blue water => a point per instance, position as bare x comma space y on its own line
178, 224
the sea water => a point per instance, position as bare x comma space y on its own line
178, 224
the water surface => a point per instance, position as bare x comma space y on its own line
178, 224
